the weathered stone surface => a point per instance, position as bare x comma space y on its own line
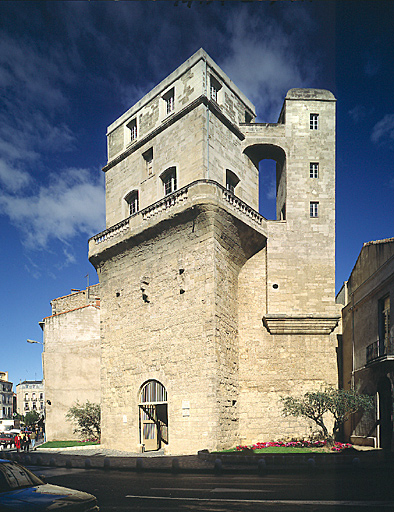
186, 281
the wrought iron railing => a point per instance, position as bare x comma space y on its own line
380, 348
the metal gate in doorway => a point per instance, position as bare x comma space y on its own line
153, 411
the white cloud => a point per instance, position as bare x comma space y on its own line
264, 61
70, 204
383, 131
11, 178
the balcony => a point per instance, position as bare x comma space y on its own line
186, 198
379, 351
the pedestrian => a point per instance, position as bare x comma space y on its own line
17, 442
27, 441
33, 440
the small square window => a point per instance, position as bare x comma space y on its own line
313, 170
314, 209
314, 121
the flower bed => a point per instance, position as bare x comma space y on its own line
337, 447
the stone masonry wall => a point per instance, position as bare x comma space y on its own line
71, 366
186, 340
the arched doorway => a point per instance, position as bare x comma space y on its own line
153, 415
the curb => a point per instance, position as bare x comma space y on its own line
212, 463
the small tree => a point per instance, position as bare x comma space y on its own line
343, 403
87, 418
31, 418
314, 405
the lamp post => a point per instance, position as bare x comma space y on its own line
34, 341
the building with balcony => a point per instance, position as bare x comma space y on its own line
71, 358
30, 396
6, 397
209, 311
367, 341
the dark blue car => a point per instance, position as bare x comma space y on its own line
22, 491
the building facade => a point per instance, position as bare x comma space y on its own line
6, 397
30, 396
367, 341
71, 358
210, 312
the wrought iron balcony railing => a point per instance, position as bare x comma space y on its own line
380, 349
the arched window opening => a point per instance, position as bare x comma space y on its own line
271, 162
132, 202
153, 411
169, 180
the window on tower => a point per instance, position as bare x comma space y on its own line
314, 170
314, 209
232, 181
132, 202
214, 88
314, 121
169, 180
169, 99
132, 126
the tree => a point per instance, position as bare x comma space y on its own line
87, 418
31, 418
314, 405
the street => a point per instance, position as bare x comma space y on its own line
121, 490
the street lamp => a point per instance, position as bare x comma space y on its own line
34, 341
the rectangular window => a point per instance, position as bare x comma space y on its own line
232, 181
132, 201
214, 88
313, 170
169, 181
148, 157
132, 126
314, 121
384, 326
169, 99
314, 209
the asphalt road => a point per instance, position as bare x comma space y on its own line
160, 492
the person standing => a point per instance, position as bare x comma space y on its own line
33, 440
17, 442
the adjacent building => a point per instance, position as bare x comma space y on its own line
6, 398
367, 342
209, 311
71, 358
30, 396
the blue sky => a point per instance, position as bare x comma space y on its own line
69, 69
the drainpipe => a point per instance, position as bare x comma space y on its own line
207, 111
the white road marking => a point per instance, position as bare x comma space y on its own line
208, 490
331, 503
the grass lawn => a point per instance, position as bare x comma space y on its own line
66, 444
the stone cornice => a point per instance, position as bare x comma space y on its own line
300, 324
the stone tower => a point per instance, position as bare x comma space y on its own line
210, 312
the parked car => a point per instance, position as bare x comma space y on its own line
6, 439
22, 491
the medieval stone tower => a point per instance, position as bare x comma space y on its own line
209, 312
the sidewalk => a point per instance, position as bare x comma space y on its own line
205, 462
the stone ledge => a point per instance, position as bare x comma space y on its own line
300, 324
